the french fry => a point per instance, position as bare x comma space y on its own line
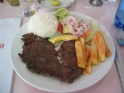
83, 50
88, 50
94, 51
87, 34
84, 71
91, 52
79, 54
89, 42
89, 67
98, 32
107, 51
100, 46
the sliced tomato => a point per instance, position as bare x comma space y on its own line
60, 27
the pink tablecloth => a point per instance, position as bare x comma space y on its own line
105, 15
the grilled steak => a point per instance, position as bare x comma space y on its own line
40, 57
67, 54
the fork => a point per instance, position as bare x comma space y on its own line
120, 36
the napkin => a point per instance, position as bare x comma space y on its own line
8, 28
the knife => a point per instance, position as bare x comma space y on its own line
121, 75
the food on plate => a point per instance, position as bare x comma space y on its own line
65, 29
107, 50
83, 50
44, 24
67, 54
79, 54
84, 72
94, 59
89, 42
60, 27
93, 28
64, 37
100, 46
89, 66
88, 51
75, 26
63, 46
86, 34
55, 2
96, 51
61, 12
40, 57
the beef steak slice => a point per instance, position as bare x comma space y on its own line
40, 57
67, 54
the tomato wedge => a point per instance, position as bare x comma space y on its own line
60, 27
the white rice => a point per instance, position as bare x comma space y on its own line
43, 24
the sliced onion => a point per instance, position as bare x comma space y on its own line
76, 26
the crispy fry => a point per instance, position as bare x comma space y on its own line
79, 54
100, 47
90, 53
89, 42
86, 34
107, 50
83, 50
88, 50
94, 51
89, 67
84, 71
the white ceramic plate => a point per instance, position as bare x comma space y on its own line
52, 84
64, 3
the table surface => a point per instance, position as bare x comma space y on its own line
105, 15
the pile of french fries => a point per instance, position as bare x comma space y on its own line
91, 52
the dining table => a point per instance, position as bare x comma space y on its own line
104, 14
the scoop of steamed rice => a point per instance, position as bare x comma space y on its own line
43, 24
